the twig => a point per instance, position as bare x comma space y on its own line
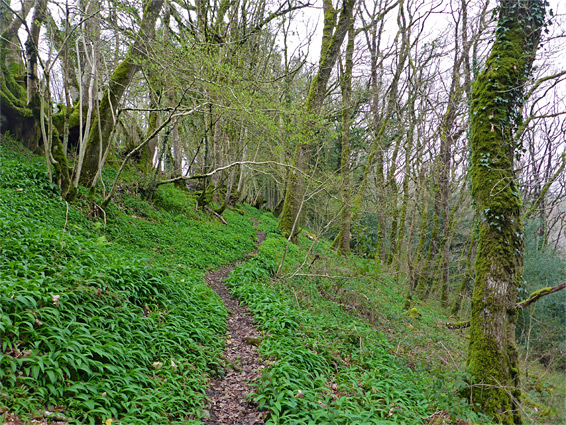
215, 214
449, 353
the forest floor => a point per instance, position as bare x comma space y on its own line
118, 319
228, 395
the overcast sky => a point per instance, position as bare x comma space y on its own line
308, 28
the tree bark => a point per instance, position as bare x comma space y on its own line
346, 216
333, 36
496, 97
98, 138
15, 116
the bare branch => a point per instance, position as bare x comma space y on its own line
225, 167
171, 116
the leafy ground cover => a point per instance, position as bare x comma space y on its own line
343, 350
112, 322
105, 315
329, 366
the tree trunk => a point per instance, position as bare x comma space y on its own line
15, 116
346, 217
496, 97
98, 138
333, 36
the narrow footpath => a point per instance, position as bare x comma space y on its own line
227, 395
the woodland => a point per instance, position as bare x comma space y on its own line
397, 165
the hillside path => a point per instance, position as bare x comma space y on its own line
227, 395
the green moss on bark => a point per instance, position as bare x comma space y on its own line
98, 141
496, 101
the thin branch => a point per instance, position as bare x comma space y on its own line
225, 167
546, 187
542, 80
171, 116
533, 298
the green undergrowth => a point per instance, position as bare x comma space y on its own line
105, 315
328, 361
110, 321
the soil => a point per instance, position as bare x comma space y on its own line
227, 395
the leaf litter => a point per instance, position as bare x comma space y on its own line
227, 394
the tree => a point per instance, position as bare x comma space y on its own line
16, 113
332, 38
497, 96
98, 139
343, 239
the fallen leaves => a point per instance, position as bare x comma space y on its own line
227, 396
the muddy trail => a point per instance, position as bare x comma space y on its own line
227, 394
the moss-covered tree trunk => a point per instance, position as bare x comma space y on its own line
497, 95
103, 124
15, 116
343, 240
333, 36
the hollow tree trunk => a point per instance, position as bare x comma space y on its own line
496, 97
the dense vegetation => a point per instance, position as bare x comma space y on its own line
89, 311
106, 316
411, 152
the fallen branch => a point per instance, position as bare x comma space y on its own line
211, 211
458, 325
326, 276
533, 298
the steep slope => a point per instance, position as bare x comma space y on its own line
105, 322
106, 317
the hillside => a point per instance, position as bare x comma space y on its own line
106, 317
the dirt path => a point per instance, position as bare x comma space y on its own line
227, 395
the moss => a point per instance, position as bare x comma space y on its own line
290, 207
206, 196
414, 313
408, 302
113, 93
495, 106
539, 291
13, 95
61, 166
462, 324
74, 117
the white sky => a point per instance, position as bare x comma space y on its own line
308, 22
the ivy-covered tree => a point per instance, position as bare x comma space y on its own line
497, 96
